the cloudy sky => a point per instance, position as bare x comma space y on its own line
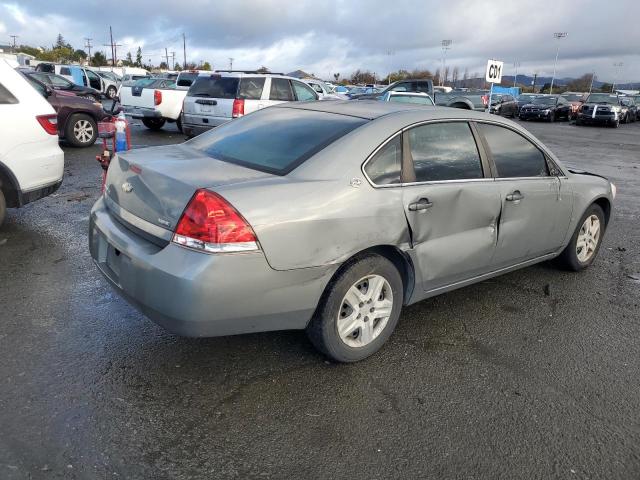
329, 36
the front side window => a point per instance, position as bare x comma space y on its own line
444, 151
251, 88
513, 155
303, 92
281, 90
423, 87
56, 81
384, 166
402, 87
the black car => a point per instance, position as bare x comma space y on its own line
602, 109
525, 98
60, 83
547, 107
503, 105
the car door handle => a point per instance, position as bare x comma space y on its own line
515, 196
422, 204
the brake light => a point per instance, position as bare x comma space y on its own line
157, 97
209, 223
49, 123
485, 100
238, 108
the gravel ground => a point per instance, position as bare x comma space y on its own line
532, 375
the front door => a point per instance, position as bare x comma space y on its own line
534, 209
451, 204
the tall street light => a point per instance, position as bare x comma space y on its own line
618, 66
557, 36
516, 65
446, 45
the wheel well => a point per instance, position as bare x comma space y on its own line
461, 105
9, 188
605, 205
401, 261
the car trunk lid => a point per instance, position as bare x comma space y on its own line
155, 184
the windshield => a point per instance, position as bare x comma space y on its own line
525, 98
53, 80
573, 97
186, 79
544, 101
603, 98
144, 82
275, 140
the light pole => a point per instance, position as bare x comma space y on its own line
618, 66
390, 53
446, 45
557, 36
516, 65
593, 77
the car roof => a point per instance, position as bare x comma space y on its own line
372, 109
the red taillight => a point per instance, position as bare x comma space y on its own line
238, 108
485, 100
49, 123
211, 224
157, 97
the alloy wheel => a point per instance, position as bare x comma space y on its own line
83, 131
588, 238
365, 311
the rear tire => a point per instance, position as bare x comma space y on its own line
153, 123
349, 324
179, 124
574, 257
3, 208
81, 130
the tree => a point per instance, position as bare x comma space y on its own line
263, 69
545, 88
445, 74
139, 57
177, 67
79, 55
581, 84
61, 42
606, 88
360, 76
336, 76
29, 50
205, 66
163, 66
436, 77
454, 75
98, 59
128, 61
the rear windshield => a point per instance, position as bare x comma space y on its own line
214, 86
275, 140
186, 79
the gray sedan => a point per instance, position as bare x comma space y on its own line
330, 216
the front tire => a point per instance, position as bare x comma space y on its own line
153, 123
81, 130
359, 310
586, 240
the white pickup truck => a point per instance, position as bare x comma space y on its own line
156, 101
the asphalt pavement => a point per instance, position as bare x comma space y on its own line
532, 375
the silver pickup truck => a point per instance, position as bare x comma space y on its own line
468, 100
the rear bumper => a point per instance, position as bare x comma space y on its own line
202, 295
193, 125
141, 112
38, 193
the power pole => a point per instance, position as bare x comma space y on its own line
166, 57
113, 48
88, 47
173, 61
230, 63
13, 48
184, 51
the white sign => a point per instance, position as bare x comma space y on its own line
494, 71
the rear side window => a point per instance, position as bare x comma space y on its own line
6, 97
514, 155
384, 166
251, 88
281, 90
65, 71
214, 86
186, 79
444, 151
423, 87
275, 140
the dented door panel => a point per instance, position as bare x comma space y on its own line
454, 238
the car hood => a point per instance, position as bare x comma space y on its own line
156, 183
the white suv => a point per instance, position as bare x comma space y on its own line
215, 98
31, 162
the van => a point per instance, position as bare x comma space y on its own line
216, 98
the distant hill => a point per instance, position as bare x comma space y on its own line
528, 80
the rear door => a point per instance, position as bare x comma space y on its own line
252, 91
450, 201
280, 91
534, 210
